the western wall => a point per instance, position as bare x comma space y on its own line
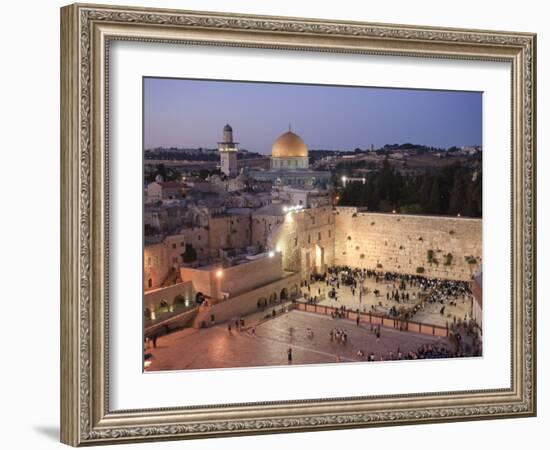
433, 246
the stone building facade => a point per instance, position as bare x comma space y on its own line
434, 246
304, 236
311, 239
161, 260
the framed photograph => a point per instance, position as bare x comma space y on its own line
276, 224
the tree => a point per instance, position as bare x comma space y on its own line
435, 198
167, 174
452, 189
425, 191
457, 194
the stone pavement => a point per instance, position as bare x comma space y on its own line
216, 347
430, 315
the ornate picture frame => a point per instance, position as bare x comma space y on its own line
86, 34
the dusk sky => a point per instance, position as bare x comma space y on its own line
192, 113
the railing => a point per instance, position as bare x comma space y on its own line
374, 319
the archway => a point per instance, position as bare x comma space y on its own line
179, 300
284, 294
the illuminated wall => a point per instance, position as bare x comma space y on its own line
436, 246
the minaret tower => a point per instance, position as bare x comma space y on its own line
228, 152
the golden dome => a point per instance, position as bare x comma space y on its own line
289, 145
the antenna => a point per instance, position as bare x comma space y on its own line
289, 127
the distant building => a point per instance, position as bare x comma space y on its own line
305, 197
228, 153
346, 180
164, 190
290, 165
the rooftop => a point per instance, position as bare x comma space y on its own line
274, 209
238, 260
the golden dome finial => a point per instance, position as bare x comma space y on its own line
289, 145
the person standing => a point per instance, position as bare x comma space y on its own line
289, 355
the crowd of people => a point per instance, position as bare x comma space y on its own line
405, 296
338, 335
425, 351
409, 294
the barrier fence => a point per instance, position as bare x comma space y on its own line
375, 319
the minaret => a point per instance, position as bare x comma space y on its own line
228, 152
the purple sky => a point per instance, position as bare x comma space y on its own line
192, 113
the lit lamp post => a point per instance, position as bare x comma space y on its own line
344, 179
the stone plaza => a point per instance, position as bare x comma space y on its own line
266, 343
430, 314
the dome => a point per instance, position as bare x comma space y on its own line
289, 145
227, 128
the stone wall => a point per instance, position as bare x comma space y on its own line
156, 266
305, 238
234, 280
204, 281
312, 239
248, 302
442, 247
152, 299
228, 231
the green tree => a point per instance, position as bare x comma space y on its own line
435, 198
457, 194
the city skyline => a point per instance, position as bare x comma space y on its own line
188, 113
